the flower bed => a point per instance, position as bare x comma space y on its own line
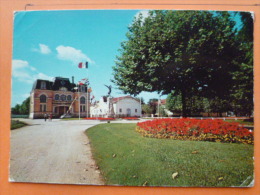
99, 118
195, 129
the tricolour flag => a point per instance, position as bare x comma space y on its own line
83, 65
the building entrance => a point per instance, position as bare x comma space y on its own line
60, 110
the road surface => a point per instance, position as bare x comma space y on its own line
55, 151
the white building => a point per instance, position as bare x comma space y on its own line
125, 106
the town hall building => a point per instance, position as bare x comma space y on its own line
59, 97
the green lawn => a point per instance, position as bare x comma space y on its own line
15, 124
126, 158
244, 122
68, 119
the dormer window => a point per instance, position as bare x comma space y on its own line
83, 89
43, 85
63, 89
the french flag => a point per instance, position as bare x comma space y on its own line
83, 65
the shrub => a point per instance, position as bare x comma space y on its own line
195, 129
15, 124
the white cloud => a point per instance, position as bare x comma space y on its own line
42, 76
18, 64
26, 95
23, 72
43, 49
71, 54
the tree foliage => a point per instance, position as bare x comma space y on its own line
146, 108
23, 108
242, 92
190, 53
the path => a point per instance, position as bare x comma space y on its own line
53, 152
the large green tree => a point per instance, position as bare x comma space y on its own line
194, 105
188, 52
242, 93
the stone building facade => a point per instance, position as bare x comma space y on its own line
59, 97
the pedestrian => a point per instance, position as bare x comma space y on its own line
45, 117
50, 116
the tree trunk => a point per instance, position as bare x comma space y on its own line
184, 105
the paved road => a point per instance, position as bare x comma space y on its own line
53, 152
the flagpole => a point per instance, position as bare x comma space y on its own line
87, 101
140, 107
159, 107
79, 101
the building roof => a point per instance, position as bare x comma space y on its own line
37, 84
114, 100
54, 85
162, 102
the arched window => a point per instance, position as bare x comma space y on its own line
63, 97
43, 98
69, 97
57, 97
82, 100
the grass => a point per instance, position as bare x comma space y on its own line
70, 119
15, 124
241, 121
126, 158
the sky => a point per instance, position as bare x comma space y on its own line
48, 44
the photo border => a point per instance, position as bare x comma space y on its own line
8, 7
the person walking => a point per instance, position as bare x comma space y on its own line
45, 117
50, 116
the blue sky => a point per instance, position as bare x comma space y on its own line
47, 44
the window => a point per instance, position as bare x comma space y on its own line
43, 85
83, 89
82, 100
136, 110
42, 107
82, 108
69, 97
57, 97
120, 109
63, 97
43, 98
